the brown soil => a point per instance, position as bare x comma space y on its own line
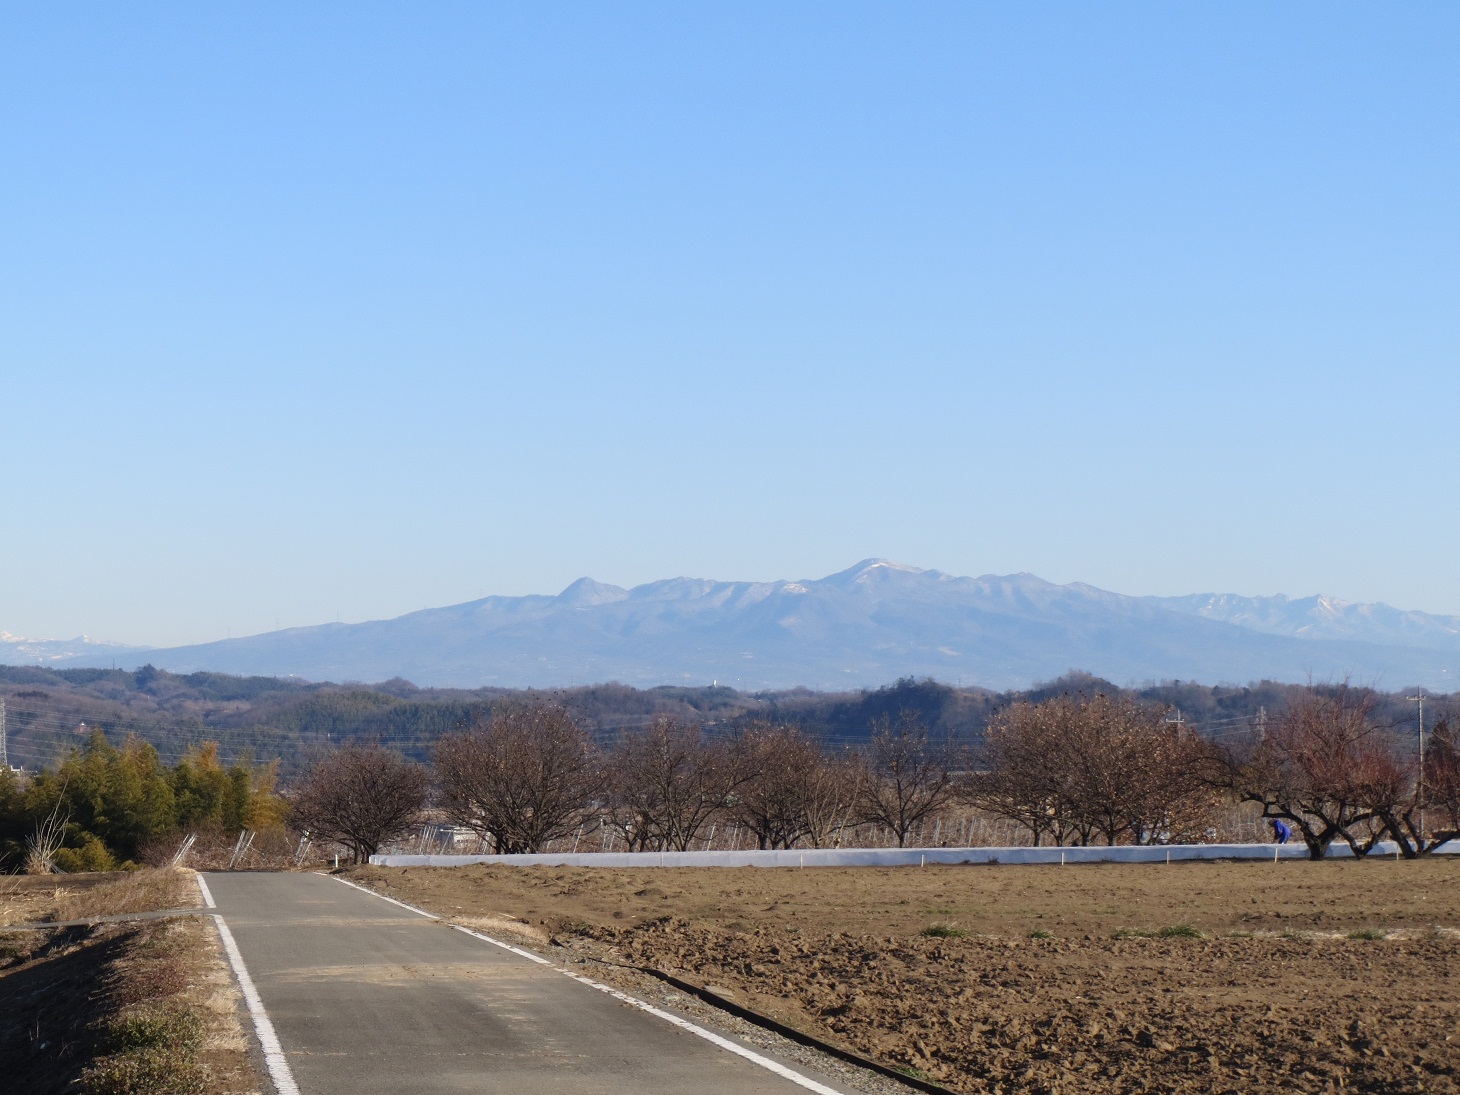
1268, 993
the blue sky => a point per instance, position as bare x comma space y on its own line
342, 310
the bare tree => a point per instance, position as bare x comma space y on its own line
667, 781
520, 779
1323, 766
1073, 768
833, 793
780, 766
361, 796
1099, 755
1389, 782
910, 776
1170, 798
1441, 790
1134, 775
1020, 774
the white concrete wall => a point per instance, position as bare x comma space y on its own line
888, 857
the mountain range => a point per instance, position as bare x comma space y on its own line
873, 623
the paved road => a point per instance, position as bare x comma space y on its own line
368, 997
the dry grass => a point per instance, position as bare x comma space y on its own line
215, 996
23, 899
149, 1040
134, 891
136, 1009
146, 1008
175, 1027
54, 897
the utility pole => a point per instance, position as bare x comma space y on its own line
4, 754
1421, 699
1177, 721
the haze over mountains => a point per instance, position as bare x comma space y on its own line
80, 651
864, 626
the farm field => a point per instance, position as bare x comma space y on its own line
1212, 977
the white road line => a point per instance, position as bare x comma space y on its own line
207, 893
708, 1035
274, 1058
684, 1024
393, 901
541, 961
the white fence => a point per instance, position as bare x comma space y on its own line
891, 857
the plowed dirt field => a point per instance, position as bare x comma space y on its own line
1203, 977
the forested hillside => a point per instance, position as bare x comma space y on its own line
266, 718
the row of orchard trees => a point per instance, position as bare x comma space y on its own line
1078, 770
107, 806
1071, 770
523, 778
1074, 769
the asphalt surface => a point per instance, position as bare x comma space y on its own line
368, 997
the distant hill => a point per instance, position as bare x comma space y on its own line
82, 650
875, 622
49, 711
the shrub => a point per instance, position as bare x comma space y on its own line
156, 1070
1178, 931
169, 1027
91, 856
943, 931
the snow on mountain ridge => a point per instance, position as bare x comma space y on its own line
1321, 616
18, 650
585, 591
863, 626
